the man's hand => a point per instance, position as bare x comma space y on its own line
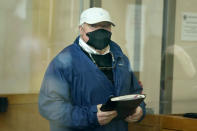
136, 116
105, 117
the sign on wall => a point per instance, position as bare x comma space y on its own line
189, 26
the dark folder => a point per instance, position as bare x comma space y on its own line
124, 105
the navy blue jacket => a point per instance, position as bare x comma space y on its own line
73, 86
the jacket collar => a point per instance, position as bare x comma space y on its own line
114, 48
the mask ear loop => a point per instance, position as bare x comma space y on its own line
83, 28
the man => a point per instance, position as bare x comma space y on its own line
84, 75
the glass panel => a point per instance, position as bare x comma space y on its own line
138, 31
185, 62
31, 34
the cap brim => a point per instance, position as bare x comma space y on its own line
95, 22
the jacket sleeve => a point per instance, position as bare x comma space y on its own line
55, 103
137, 89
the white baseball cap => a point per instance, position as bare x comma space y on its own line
95, 15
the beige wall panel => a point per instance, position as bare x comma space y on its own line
185, 64
150, 74
118, 15
32, 32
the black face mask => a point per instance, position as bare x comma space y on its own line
99, 39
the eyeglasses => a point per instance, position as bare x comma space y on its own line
107, 67
101, 24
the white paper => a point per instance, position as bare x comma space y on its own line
189, 27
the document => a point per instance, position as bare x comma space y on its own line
124, 105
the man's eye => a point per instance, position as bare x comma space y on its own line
93, 25
102, 26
